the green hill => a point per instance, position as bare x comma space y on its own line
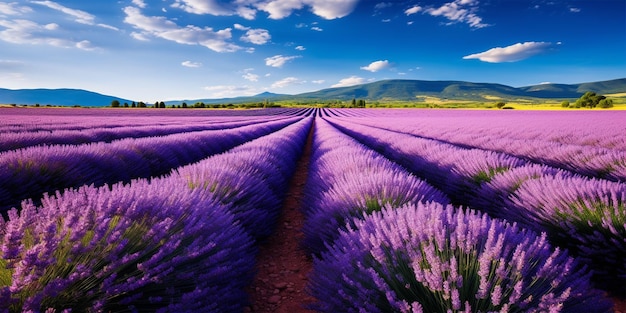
393, 89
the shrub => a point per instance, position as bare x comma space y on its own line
431, 258
128, 248
586, 216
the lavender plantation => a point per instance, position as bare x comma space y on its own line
111, 210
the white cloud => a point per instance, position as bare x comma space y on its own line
574, 10
332, 9
13, 8
350, 81
279, 60
140, 3
212, 7
315, 28
257, 36
458, 11
191, 64
161, 27
251, 77
319, 81
512, 53
22, 31
139, 36
412, 10
240, 27
80, 16
377, 66
85, 45
277, 9
300, 48
286, 82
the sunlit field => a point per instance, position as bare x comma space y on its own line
405, 210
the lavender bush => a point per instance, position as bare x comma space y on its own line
138, 247
431, 258
587, 216
348, 181
456, 171
250, 179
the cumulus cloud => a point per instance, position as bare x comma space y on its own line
191, 64
277, 9
161, 27
318, 29
574, 10
80, 16
279, 60
331, 9
257, 36
412, 10
300, 48
350, 81
288, 81
512, 53
377, 66
319, 81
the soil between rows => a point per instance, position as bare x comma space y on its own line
282, 265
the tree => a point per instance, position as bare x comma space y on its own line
565, 104
115, 104
606, 103
590, 99
184, 105
500, 105
162, 105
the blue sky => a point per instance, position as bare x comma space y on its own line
157, 50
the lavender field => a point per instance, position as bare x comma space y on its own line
119, 210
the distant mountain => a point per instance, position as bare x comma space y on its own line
245, 99
394, 89
398, 89
63, 97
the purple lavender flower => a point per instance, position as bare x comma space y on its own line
348, 181
586, 216
28, 173
402, 259
123, 247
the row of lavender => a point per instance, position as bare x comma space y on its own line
21, 120
28, 173
386, 241
585, 215
184, 242
592, 144
25, 138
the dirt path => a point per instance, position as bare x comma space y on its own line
282, 266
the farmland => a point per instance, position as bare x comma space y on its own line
402, 210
